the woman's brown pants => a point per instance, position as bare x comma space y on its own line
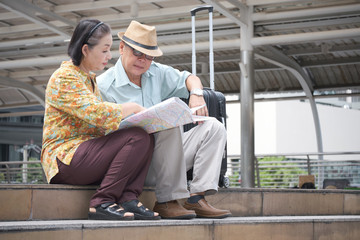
119, 162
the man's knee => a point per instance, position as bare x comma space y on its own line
216, 127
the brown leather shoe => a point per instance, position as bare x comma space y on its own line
204, 210
173, 210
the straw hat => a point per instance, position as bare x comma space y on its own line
141, 37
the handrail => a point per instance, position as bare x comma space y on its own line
299, 154
18, 162
10, 169
342, 162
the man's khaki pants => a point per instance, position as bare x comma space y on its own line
200, 148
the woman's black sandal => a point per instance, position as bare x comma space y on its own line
140, 212
109, 211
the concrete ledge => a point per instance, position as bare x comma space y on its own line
285, 227
53, 202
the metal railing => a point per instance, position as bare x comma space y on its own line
271, 170
283, 170
21, 172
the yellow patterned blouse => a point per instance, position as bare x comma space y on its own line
74, 113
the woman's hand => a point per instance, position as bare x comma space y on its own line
131, 108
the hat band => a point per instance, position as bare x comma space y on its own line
139, 44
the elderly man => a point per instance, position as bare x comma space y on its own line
137, 78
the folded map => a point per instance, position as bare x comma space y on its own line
170, 113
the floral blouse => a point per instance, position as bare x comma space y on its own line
74, 113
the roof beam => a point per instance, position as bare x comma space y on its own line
36, 93
241, 21
33, 41
263, 2
98, 4
5, 107
302, 25
28, 11
319, 50
307, 13
31, 27
306, 37
332, 62
278, 58
168, 50
21, 114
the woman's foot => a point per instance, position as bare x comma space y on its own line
109, 211
140, 212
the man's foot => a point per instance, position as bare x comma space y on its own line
173, 210
204, 210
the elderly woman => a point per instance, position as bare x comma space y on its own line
81, 141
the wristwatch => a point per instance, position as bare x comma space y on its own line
196, 91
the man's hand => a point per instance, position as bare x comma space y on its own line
195, 101
193, 82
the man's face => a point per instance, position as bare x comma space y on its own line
134, 66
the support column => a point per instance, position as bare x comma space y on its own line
247, 120
247, 103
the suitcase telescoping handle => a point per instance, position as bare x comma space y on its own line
211, 52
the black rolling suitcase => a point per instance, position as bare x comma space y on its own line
215, 100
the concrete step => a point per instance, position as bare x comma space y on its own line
60, 202
264, 228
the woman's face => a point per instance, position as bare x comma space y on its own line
97, 57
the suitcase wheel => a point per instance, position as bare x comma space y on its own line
224, 182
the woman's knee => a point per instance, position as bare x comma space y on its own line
143, 136
141, 140
135, 136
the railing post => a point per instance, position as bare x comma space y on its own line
24, 165
257, 172
7, 173
308, 165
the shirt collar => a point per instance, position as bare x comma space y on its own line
121, 77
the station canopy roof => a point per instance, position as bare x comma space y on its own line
300, 47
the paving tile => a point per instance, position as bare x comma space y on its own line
15, 204
352, 204
302, 203
241, 204
39, 235
264, 228
197, 232
37, 202
337, 230
264, 231
59, 204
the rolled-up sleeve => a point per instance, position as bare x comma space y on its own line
173, 82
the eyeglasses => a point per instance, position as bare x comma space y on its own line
137, 53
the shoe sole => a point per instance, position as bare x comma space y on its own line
99, 216
215, 217
188, 216
142, 217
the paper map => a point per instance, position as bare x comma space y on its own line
170, 113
